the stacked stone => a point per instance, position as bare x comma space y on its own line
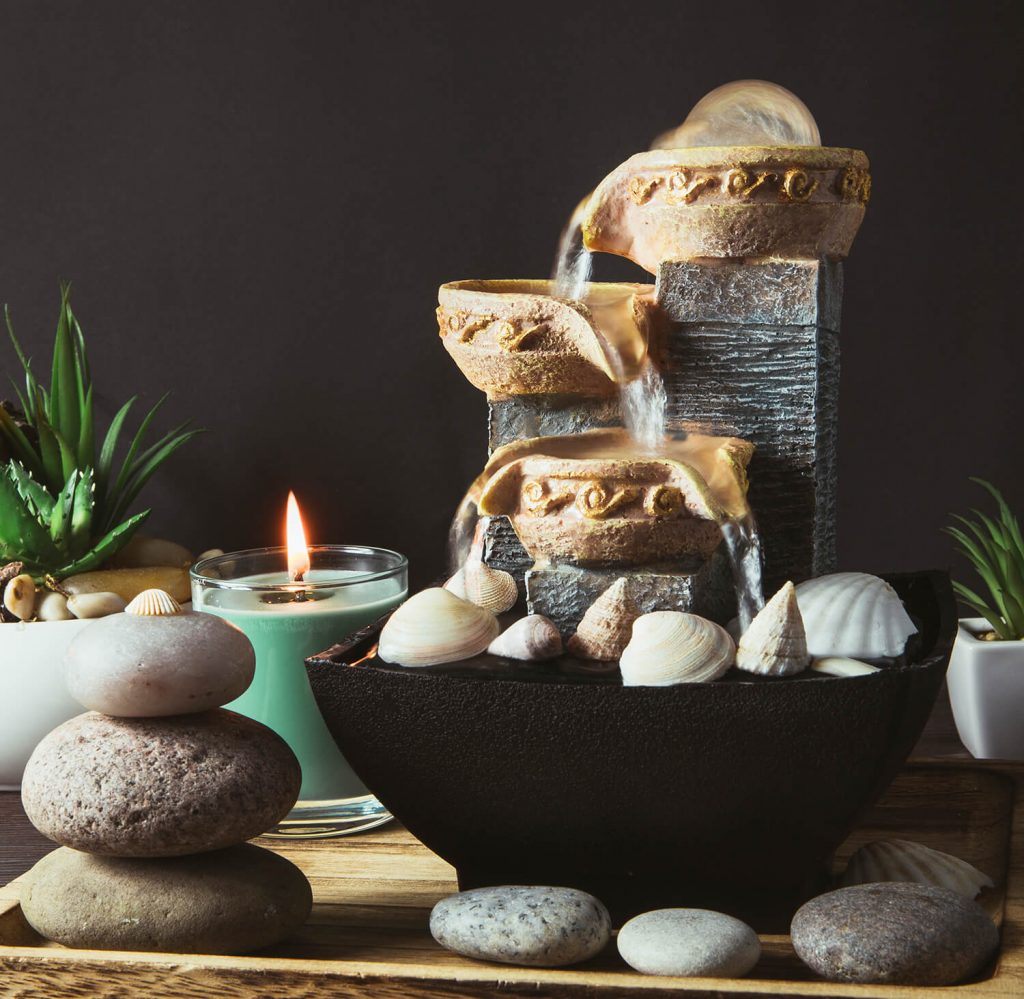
154, 791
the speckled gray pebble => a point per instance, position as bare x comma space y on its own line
532, 926
893, 933
159, 787
228, 902
689, 942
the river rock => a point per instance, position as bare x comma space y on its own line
537, 927
227, 902
689, 942
159, 787
894, 933
138, 667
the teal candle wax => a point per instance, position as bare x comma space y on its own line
285, 625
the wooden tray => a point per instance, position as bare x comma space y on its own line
367, 935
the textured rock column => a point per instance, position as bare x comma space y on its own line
754, 353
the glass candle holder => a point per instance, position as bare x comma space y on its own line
345, 589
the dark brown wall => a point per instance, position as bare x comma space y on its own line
256, 202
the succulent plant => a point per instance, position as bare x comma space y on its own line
63, 506
996, 550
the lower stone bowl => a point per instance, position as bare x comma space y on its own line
731, 796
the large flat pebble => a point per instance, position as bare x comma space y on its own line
532, 926
894, 933
228, 902
159, 787
689, 942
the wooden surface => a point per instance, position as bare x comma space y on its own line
368, 936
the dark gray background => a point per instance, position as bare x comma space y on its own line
257, 201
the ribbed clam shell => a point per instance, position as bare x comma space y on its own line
490, 588
670, 647
903, 860
153, 603
774, 644
853, 614
533, 639
457, 584
840, 666
607, 625
435, 626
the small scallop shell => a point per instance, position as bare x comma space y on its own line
853, 614
533, 639
902, 860
607, 625
489, 588
670, 647
434, 627
20, 597
839, 666
99, 604
153, 603
774, 644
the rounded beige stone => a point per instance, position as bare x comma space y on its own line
159, 787
231, 901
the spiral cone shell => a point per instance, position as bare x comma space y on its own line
434, 627
607, 625
775, 644
153, 603
533, 639
670, 647
903, 860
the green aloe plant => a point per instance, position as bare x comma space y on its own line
996, 550
63, 506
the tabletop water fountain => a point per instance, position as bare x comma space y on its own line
662, 457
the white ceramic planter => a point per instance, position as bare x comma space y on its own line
986, 692
33, 699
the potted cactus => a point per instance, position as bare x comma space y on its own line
986, 671
65, 502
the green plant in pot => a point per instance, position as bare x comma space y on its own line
986, 671
66, 497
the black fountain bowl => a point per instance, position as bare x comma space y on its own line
730, 796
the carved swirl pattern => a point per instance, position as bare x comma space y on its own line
663, 501
465, 326
597, 500
540, 502
854, 184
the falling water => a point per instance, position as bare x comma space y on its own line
574, 263
462, 533
644, 401
743, 543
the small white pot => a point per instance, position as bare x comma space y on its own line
986, 692
33, 698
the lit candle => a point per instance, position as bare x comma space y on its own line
292, 602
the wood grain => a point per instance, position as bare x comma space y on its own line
367, 935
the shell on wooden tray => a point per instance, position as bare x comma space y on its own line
774, 644
435, 627
853, 614
153, 603
532, 639
904, 860
840, 666
607, 624
669, 647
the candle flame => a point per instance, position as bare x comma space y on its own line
298, 550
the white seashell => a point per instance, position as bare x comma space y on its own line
669, 647
20, 597
53, 607
457, 584
153, 603
853, 614
774, 644
839, 666
533, 639
489, 588
434, 627
98, 604
607, 625
903, 860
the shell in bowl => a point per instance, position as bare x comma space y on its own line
670, 647
607, 625
904, 860
435, 627
854, 615
532, 639
775, 643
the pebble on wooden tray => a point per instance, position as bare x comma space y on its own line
531, 926
159, 787
230, 901
894, 933
689, 942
